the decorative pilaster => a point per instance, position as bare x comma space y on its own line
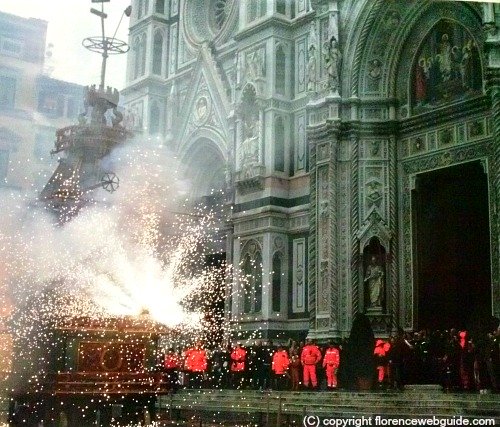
323, 282
491, 22
355, 259
393, 294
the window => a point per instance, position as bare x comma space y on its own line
7, 92
157, 53
139, 47
276, 283
160, 6
139, 9
11, 47
142, 50
154, 119
247, 284
256, 9
4, 165
136, 56
281, 6
280, 71
252, 282
258, 282
279, 138
220, 9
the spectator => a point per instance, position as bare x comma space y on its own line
238, 362
309, 357
280, 365
331, 363
195, 364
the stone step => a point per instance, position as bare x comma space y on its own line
333, 402
336, 403
299, 409
339, 397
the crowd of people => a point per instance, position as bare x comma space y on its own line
451, 358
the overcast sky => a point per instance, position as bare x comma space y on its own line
69, 22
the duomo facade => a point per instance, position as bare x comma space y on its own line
357, 144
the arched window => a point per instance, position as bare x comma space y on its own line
281, 6
142, 49
258, 282
251, 269
136, 57
154, 119
280, 71
251, 11
157, 53
276, 283
262, 8
160, 6
247, 284
140, 5
279, 146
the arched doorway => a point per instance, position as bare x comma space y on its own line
452, 246
205, 169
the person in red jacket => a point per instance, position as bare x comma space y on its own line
195, 365
381, 351
309, 357
280, 365
171, 366
331, 363
238, 362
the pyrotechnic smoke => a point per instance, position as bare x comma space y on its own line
124, 253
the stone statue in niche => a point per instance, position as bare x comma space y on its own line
250, 145
255, 66
375, 70
312, 60
311, 70
374, 278
332, 57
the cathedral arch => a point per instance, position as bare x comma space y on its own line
421, 65
205, 165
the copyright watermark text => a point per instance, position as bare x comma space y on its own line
378, 420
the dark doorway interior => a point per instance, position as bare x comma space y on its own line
452, 246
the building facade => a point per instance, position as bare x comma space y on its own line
22, 52
356, 142
33, 105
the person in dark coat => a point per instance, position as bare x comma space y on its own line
358, 360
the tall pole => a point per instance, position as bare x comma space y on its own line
104, 54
